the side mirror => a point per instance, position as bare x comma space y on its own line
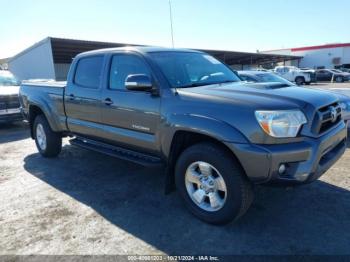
138, 82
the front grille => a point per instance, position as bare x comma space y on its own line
9, 102
326, 117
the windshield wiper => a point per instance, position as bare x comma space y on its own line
226, 81
206, 84
194, 85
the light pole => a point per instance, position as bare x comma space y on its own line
171, 24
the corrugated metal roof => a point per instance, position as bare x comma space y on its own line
64, 50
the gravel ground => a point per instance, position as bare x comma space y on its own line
88, 203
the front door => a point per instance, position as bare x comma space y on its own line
130, 118
324, 75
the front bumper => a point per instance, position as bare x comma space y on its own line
10, 115
305, 161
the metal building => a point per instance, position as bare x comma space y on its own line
51, 58
320, 56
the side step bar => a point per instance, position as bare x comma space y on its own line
119, 152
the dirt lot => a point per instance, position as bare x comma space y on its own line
87, 203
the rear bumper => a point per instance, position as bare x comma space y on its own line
304, 161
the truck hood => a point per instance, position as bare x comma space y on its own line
9, 90
263, 95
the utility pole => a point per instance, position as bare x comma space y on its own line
171, 24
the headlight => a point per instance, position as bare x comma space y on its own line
284, 123
345, 106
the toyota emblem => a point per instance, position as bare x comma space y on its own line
333, 114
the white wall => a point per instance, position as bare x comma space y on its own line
346, 55
34, 62
61, 71
320, 57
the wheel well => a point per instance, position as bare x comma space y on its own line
34, 111
181, 141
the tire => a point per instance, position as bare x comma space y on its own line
299, 80
48, 142
239, 192
339, 79
307, 83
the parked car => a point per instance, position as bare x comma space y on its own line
331, 74
262, 77
343, 68
293, 74
9, 102
259, 69
215, 135
345, 74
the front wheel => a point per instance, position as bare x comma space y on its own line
212, 183
48, 142
299, 80
339, 79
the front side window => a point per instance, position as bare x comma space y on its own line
124, 65
88, 72
188, 69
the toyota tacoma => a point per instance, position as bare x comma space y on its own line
215, 135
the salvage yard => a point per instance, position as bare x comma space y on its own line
88, 203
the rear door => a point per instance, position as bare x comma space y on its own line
83, 97
130, 118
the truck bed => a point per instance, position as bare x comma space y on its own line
45, 82
50, 95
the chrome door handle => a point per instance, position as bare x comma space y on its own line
108, 101
71, 97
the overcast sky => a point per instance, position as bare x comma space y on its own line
212, 24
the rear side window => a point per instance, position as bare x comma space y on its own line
124, 65
88, 72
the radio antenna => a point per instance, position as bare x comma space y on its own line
171, 24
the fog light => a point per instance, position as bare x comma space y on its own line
302, 177
282, 169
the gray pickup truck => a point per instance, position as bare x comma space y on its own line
215, 135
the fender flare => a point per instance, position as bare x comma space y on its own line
204, 125
47, 110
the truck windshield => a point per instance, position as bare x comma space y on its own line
190, 69
7, 79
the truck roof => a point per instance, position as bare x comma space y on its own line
140, 49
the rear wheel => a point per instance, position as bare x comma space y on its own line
48, 142
212, 183
299, 80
